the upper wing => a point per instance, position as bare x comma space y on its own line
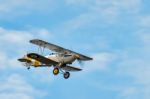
41, 59
70, 68
58, 49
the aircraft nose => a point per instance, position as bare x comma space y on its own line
77, 56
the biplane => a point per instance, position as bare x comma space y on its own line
60, 60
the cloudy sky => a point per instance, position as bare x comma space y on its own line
116, 33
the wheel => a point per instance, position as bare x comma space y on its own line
28, 68
66, 75
56, 71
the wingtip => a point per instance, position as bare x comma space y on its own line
91, 58
32, 40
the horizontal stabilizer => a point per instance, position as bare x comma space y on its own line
24, 60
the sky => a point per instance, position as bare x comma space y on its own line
115, 33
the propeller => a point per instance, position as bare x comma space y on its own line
77, 57
81, 63
79, 60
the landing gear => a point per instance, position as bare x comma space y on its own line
66, 75
56, 71
28, 68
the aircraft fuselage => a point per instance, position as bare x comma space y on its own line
62, 58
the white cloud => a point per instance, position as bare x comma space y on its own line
138, 70
134, 71
128, 92
79, 2
21, 37
3, 59
42, 33
15, 86
14, 8
100, 61
16, 42
14, 96
14, 36
7, 62
145, 21
134, 63
143, 34
14, 46
99, 13
130, 5
76, 23
135, 66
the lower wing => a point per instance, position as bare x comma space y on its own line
70, 68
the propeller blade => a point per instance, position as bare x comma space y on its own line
81, 63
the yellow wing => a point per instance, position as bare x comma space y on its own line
42, 59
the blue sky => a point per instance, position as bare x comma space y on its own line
116, 33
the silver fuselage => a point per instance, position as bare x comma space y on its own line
62, 58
